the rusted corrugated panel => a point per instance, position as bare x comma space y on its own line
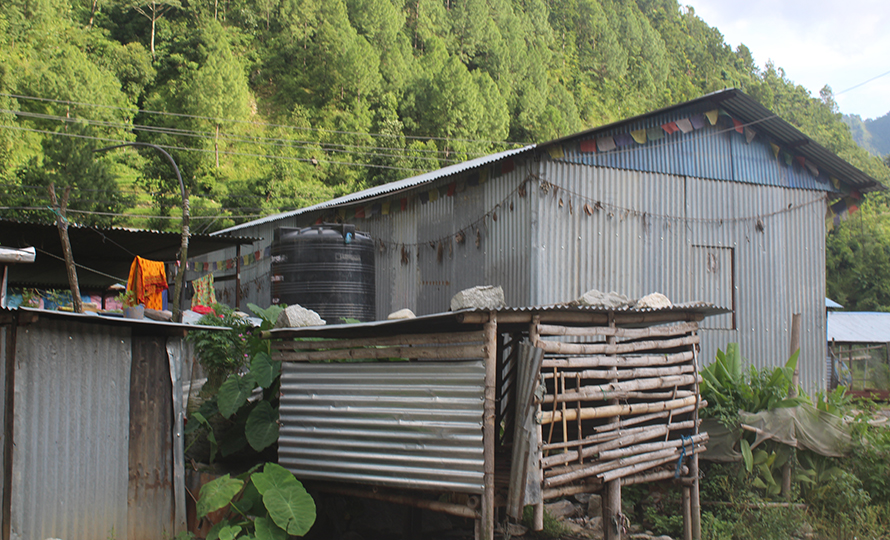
150, 491
399, 424
72, 386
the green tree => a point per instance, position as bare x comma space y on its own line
154, 10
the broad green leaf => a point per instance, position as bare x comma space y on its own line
233, 393
758, 483
734, 362
273, 475
264, 370
746, 455
213, 533
291, 508
760, 456
250, 503
217, 493
229, 533
261, 429
266, 529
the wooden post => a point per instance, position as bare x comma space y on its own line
792, 392
488, 428
612, 492
695, 495
538, 516
687, 513
62, 224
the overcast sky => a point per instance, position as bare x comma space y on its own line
817, 42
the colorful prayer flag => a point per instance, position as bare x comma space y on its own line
739, 126
623, 139
384, 208
697, 121
639, 136
749, 135
775, 149
433, 195
604, 144
424, 197
588, 146
670, 128
712, 116
655, 133
684, 125
451, 188
556, 151
360, 212
403, 204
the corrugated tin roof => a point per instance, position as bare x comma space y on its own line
735, 102
386, 189
452, 321
750, 111
831, 304
859, 326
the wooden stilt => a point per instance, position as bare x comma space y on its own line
687, 513
488, 428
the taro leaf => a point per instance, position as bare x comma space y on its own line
291, 508
217, 493
229, 533
273, 475
233, 440
266, 529
264, 370
233, 393
746, 455
269, 315
262, 426
213, 533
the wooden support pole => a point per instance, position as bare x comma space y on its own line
538, 515
687, 513
617, 410
792, 392
612, 519
488, 428
62, 224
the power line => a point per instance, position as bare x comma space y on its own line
863, 83
234, 121
270, 141
206, 151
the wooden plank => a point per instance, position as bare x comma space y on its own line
619, 361
422, 353
627, 333
558, 347
488, 429
404, 339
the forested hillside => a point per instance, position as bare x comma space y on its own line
872, 134
269, 105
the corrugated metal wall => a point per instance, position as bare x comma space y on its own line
71, 430
692, 240
399, 424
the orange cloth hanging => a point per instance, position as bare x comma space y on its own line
149, 280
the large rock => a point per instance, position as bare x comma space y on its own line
561, 509
595, 506
296, 316
482, 297
655, 300
596, 298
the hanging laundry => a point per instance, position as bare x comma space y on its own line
205, 295
149, 280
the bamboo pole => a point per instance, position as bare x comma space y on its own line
641, 464
632, 373
638, 435
695, 496
612, 434
559, 347
620, 453
612, 504
624, 422
603, 391
538, 515
626, 333
605, 361
619, 361
464, 352
488, 428
404, 339
656, 476
589, 485
548, 417
687, 512
792, 392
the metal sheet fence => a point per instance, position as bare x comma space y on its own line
397, 424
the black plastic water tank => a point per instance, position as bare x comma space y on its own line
327, 268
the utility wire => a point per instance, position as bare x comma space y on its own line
863, 83
231, 120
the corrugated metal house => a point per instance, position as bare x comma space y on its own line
859, 352
91, 441
715, 200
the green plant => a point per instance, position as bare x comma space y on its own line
553, 528
229, 420
127, 298
30, 297
267, 505
221, 353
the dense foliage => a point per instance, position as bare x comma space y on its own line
269, 105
